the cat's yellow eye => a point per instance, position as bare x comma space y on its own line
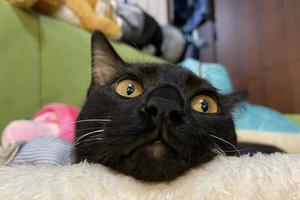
129, 88
204, 104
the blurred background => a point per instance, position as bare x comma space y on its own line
257, 40
236, 44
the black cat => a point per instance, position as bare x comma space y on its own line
151, 121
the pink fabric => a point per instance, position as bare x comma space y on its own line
54, 119
65, 116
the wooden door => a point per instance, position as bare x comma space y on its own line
259, 42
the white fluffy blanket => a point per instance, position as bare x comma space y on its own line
271, 177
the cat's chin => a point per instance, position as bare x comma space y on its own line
153, 162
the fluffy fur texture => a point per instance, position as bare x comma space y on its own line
273, 177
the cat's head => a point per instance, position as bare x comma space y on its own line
151, 121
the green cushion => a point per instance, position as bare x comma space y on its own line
65, 62
19, 64
44, 60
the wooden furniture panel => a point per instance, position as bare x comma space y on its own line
259, 42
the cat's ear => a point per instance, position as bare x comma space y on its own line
105, 60
230, 100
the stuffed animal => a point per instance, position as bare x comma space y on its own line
45, 6
89, 14
142, 31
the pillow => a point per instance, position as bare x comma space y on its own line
285, 141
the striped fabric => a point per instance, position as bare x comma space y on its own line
46, 150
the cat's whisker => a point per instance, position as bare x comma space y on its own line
245, 149
85, 129
85, 141
219, 149
69, 148
93, 120
77, 141
218, 152
93, 139
93, 136
72, 132
89, 141
87, 134
216, 137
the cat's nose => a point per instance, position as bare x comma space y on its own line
159, 108
164, 103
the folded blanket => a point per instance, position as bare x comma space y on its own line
271, 177
289, 143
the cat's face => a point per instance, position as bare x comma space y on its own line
150, 121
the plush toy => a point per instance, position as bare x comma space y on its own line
55, 119
45, 6
142, 31
90, 14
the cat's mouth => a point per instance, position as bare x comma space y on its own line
157, 145
155, 149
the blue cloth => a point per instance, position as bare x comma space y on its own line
248, 116
262, 118
189, 14
44, 150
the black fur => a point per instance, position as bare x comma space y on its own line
156, 136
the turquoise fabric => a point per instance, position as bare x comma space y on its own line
247, 116
218, 76
255, 117
215, 73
